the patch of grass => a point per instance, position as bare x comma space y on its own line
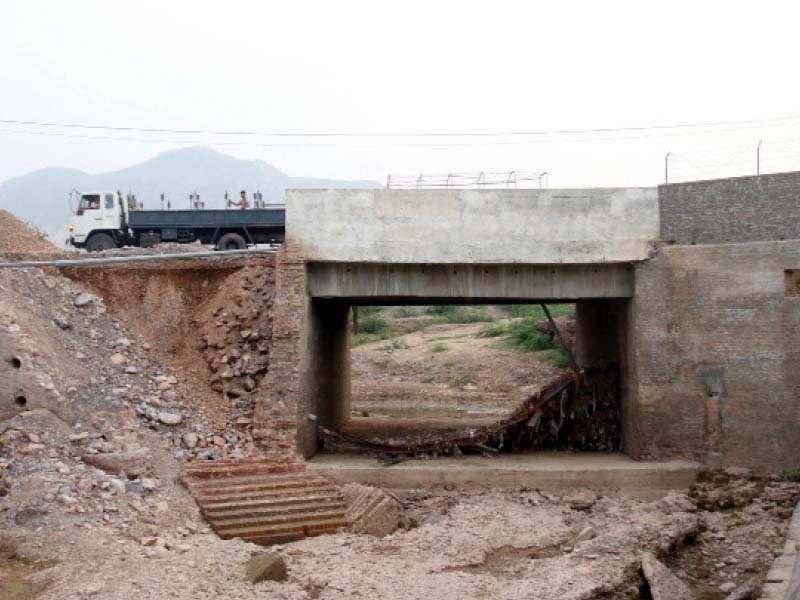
492, 330
556, 357
361, 338
791, 474
462, 380
438, 348
534, 311
524, 337
405, 311
449, 363
364, 413
396, 344
429, 379
459, 314
369, 311
374, 325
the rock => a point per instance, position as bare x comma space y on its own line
746, 591
373, 511
169, 395
156, 552
149, 484
67, 500
78, 437
131, 370
83, 299
190, 440
269, 565
169, 418
118, 359
727, 587
132, 463
62, 323
675, 502
580, 499
587, 533
117, 486
125, 342
164, 386
664, 585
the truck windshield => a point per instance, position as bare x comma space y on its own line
89, 202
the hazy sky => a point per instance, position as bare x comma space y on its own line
406, 67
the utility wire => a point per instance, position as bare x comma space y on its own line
398, 134
392, 144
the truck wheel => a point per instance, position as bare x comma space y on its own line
100, 241
231, 241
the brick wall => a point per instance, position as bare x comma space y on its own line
714, 367
739, 209
276, 401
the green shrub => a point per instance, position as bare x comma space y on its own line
438, 348
792, 474
524, 336
463, 380
459, 314
396, 344
534, 311
449, 363
358, 340
373, 324
557, 357
405, 311
493, 330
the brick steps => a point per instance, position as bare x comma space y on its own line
265, 502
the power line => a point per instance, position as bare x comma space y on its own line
398, 134
393, 144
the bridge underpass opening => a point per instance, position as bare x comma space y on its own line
447, 379
419, 379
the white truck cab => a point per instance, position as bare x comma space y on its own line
98, 216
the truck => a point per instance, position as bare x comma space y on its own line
103, 220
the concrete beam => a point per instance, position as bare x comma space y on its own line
577, 226
454, 283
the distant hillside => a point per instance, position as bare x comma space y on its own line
41, 197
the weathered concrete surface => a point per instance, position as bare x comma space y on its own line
783, 580
714, 370
541, 470
468, 282
474, 226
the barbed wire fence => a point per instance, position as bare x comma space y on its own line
470, 180
758, 158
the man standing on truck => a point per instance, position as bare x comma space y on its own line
242, 203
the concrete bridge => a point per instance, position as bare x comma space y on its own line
670, 281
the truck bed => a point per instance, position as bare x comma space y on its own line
258, 217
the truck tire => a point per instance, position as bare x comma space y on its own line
231, 241
100, 241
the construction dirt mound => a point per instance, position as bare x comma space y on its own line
17, 237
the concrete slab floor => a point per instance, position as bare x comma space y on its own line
552, 471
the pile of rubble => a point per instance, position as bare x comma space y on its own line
236, 338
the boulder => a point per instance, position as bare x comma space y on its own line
169, 418
268, 565
133, 463
664, 585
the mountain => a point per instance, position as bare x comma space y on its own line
41, 197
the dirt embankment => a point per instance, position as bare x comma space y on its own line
212, 322
21, 239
